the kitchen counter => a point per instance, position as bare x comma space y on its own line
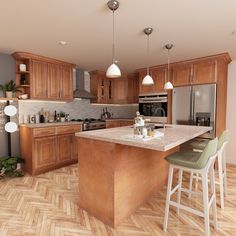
174, 135
42, 125
118, 173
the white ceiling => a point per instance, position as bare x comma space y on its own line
195, 27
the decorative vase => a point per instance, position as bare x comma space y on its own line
9, 94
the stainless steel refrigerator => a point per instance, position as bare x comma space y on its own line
195, 105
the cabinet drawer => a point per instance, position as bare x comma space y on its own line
41, 132
68, 129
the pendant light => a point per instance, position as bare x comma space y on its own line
113, 70
168, 85
147, 80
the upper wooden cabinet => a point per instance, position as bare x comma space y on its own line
181, 74
45, 78
159, 76
121, 90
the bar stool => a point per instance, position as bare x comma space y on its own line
221, 160
200, 163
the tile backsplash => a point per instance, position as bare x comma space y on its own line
78, 109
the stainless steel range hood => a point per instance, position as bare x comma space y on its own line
80, 91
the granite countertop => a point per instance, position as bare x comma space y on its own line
174, 135
42, 125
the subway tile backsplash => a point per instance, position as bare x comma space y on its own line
78, 109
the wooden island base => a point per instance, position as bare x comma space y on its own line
115, 179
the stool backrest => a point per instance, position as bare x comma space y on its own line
208, 152
222, 139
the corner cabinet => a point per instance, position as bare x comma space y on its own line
123, 90
48, 147
45, 78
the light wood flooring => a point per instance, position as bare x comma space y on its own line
47, 205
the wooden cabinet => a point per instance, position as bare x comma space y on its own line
65, 147
121, 90
53, 81
39, 79
204, 72
46, 78
48, 147
197, 72
181, 74
44, 152
118, 123
66, 83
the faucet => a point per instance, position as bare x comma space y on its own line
164, 114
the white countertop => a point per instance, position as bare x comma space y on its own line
42, 125
174, 135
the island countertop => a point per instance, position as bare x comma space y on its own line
174, 135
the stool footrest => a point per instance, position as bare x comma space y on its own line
189, 209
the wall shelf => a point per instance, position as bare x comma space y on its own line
8, 99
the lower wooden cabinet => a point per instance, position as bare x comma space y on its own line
118, 123
48, 148
45, 152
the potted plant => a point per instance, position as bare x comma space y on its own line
62, 116
10, 88
11, 166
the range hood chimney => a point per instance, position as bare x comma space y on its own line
80, 91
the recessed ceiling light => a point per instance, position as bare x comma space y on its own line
62, 43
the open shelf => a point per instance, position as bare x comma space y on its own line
23, 72
24, 85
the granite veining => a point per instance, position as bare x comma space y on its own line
174, 135
42, 125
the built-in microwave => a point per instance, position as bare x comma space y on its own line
154, 106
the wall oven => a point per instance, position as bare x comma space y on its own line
154, 106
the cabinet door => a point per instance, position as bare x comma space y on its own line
120, 90
133, 89
53, 81
145, 89
65, 147
181, 74
66, 88
159, 77
101, 90
204, 72
44, 152
113, 124
39, 80
126, 122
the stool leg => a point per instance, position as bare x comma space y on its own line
169, 186
225, 173
190, 184
179, 189
220, 164
213, 191
197, 179
205, 203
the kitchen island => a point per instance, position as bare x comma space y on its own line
118, 172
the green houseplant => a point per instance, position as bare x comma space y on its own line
11, 167
62, 116
10, 88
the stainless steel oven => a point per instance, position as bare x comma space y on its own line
154, 106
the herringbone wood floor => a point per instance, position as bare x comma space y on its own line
47, 205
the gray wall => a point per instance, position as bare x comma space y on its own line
7, 72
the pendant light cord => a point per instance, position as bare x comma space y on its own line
113, 37
147, 54
168, 68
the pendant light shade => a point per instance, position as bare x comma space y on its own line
168, 85
113, 70
147, 80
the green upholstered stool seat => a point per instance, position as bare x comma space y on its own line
194, 160
187, 159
